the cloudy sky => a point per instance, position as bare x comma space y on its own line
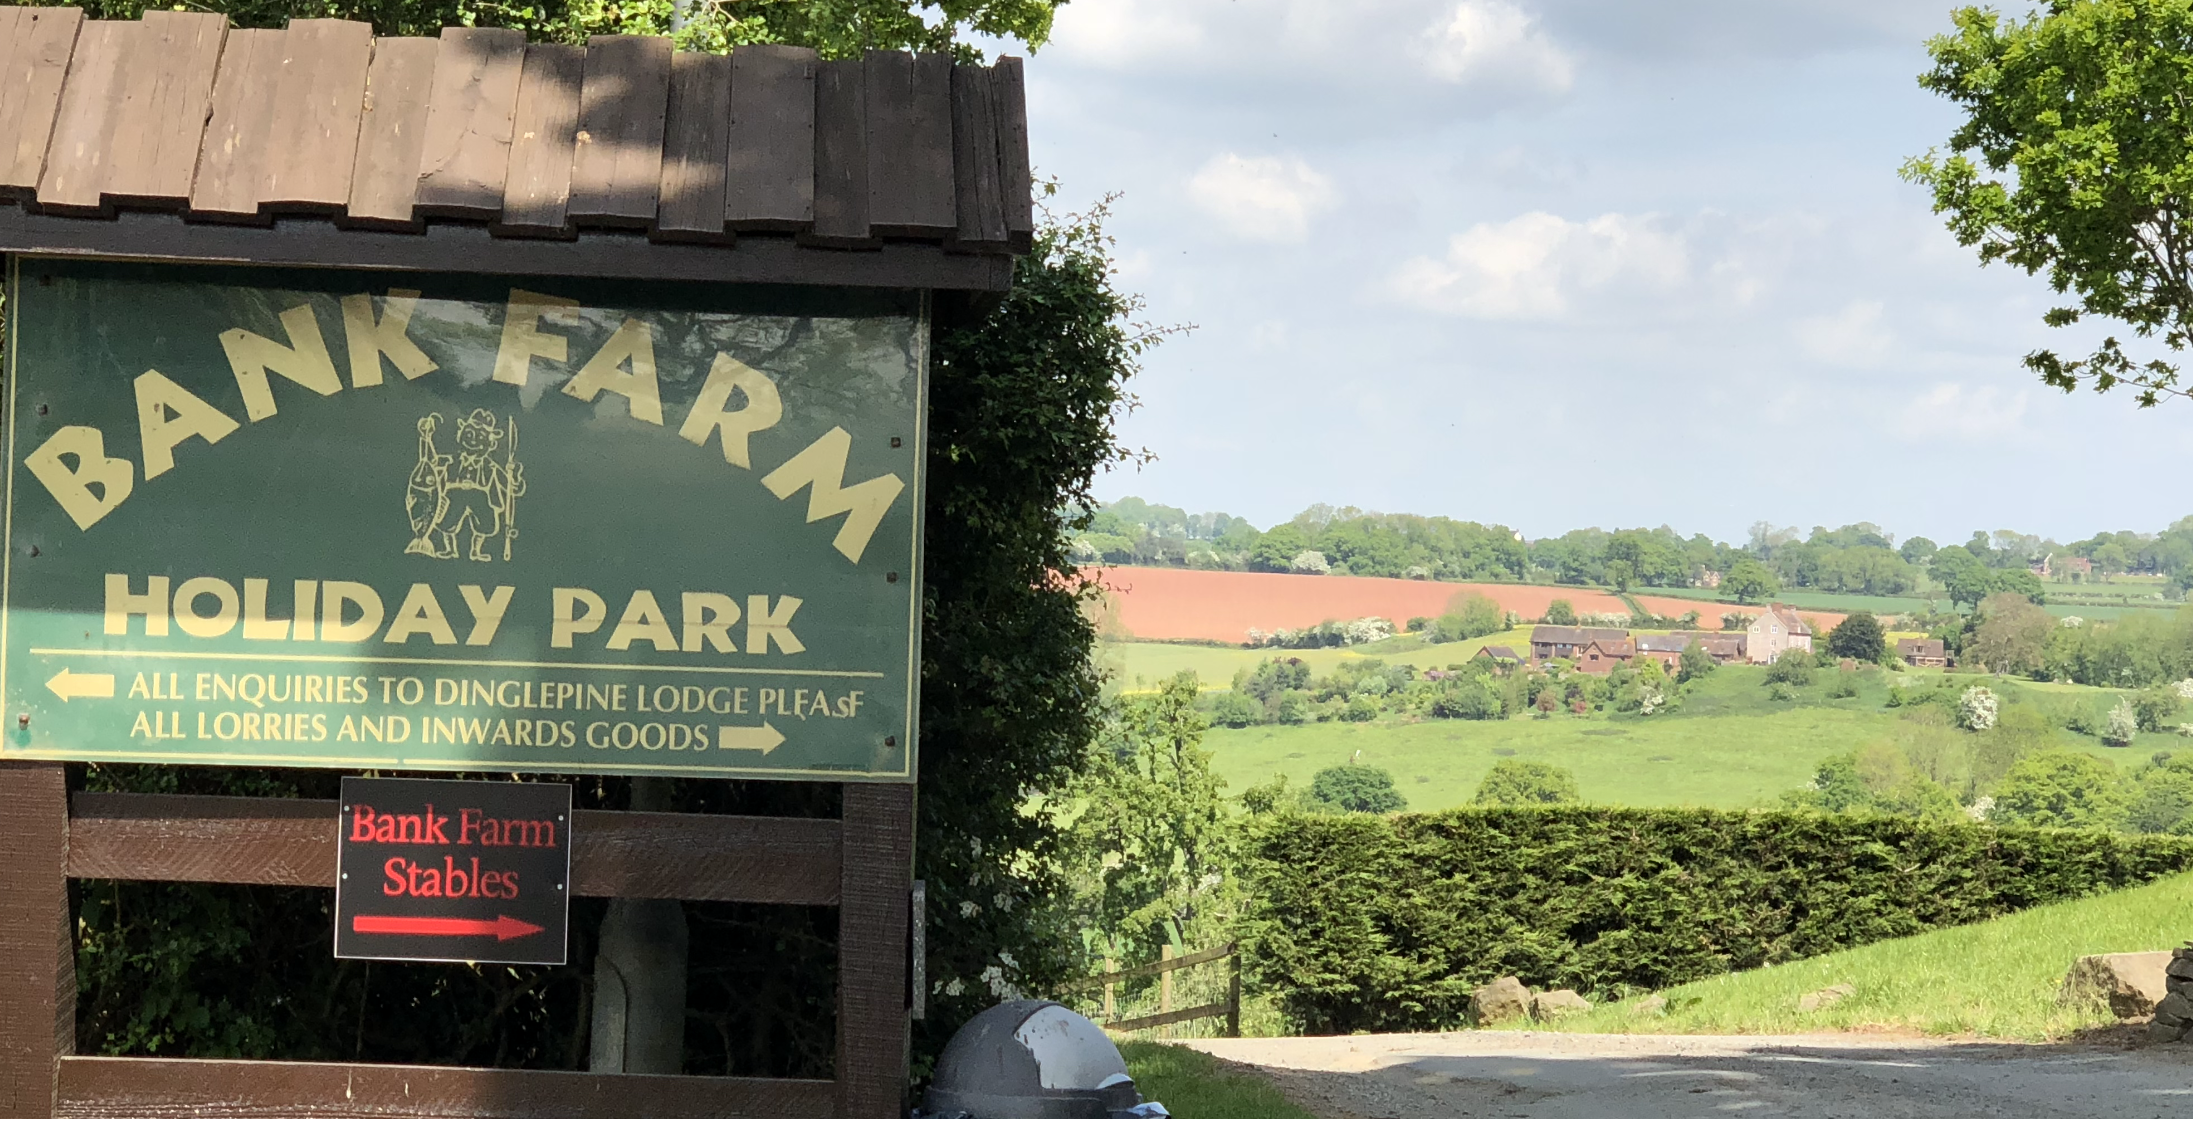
1561, 263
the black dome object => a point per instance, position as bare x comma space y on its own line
1030, 1060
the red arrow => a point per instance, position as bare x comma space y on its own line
503, 927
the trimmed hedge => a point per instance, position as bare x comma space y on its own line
1384, 924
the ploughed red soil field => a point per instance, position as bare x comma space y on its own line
1193, 604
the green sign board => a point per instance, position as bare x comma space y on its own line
365, 520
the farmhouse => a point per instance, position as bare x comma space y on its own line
1777, 630
1667, 650
1598, 657
1922, 652
1555, 641
1502, 656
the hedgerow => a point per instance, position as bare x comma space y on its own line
1382, 924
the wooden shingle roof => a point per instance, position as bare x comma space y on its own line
179, 136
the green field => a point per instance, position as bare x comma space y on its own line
1729, 745
1995, 979
1196, 1085
1135, 665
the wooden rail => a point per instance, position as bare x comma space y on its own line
861, 864
1163, 968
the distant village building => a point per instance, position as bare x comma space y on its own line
1777, 630
2064, 566
1667, 650
1502, 656
1709, 579
1598, 657
1922, 652
1560, 642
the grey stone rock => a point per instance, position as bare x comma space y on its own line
2164, 1031
1557, 1003
1504, 999
1820, 999
2128, 985
1650, 1006
2180, 967
2174, 1009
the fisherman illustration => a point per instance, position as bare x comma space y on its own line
474, 489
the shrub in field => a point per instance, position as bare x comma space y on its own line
1792, 668
1976, 709
1233, 709
2059, 789
1356, 789
1364, 923
1526, 783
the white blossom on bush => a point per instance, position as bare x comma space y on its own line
2184, 688
1980, 809
2072, 622
1310, 561
1976, 709
968, 909
1650, 701
2122, 725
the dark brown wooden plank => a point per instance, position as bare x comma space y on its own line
228, 177
76, 161
468, 122
841, 155
34, 59
617, 174
152, 1087
698, 856
872, 938
1192, 1013
696, 147
384, 178
122, 836
319, 98
910, 145
37, 945
473, 250
769, 170
1019, 187
537, 190
165, 94
977, 171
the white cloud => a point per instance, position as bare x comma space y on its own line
1951, 409
1262, 199
1490, 42
1537, 265
1852, 336
1122, 32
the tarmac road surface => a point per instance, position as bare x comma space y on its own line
1500, 1073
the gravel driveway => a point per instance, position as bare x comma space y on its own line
1830, 1074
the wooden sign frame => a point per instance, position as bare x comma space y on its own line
178, 138
861, 864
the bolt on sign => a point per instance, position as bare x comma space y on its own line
368, 520
435, 870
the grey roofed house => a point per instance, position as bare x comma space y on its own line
1500, 654
1668, 647
1554, 641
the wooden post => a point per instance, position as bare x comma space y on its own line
1111, 966
1233, 992
37, 942
874, 896
1165, 984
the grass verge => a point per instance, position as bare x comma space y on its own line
1996, 979
1194, 1085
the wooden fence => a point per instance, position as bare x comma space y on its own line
1167, 962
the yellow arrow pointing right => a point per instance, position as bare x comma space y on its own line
764, 738
82, 685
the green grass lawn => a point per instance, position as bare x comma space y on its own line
1195, 1085
1995, 979
1729, 746
1133, 664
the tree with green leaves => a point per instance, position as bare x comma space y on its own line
1527, 783
1696, 663
1859, 637
1749, 583
2074, 160
1147, 831
2059, 789
1560, 611
1356, 789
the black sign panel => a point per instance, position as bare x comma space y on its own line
453, 871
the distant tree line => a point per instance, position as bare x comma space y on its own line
1856, 558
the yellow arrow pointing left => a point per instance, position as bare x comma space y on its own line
82, 685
